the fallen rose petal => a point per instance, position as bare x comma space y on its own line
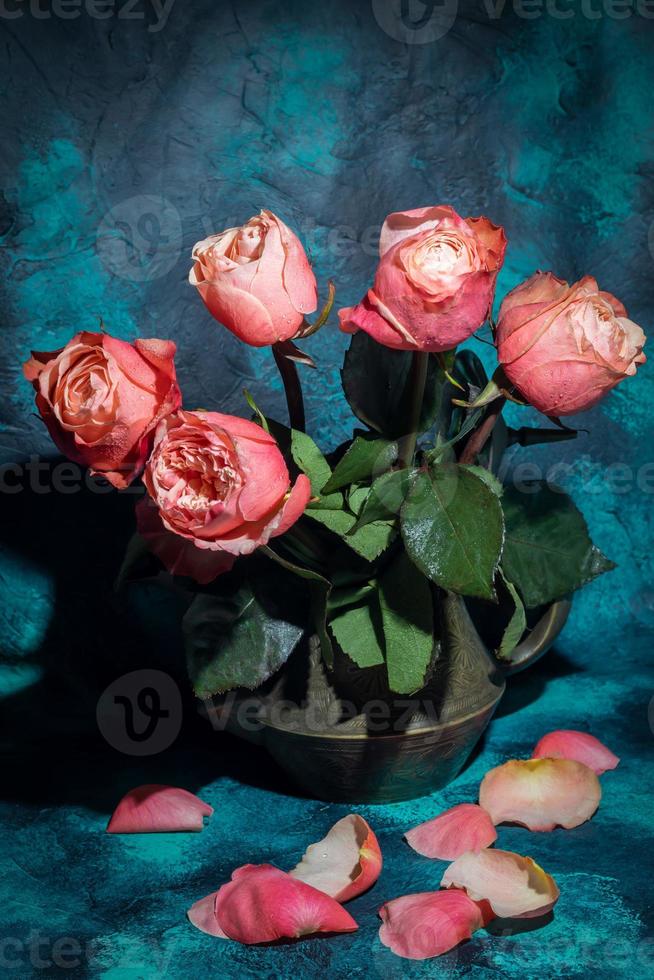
580, 747
428, 923
343, 864
202, 915
153, 809
540, 793
513, 885
466, 827
261, 904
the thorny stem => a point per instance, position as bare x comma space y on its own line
292, 388
480, 436
417, 379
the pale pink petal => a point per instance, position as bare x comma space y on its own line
261, 904
580, 746
153, 809
343, 864
513, 885
428, 923
540, 794
202, 915
466, 827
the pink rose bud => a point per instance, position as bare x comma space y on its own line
256, 280
218, 488
564, 347
101, 399
435, 282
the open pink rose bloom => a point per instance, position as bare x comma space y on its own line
154, 809
218, 488
256, 280
102, 398
435, 282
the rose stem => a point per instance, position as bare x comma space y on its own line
480, 436
294, 400
417, 379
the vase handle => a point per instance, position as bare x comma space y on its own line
539, 640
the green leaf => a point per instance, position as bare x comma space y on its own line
407, 612
453, 529
442, 448
263, 422
368, 542
386, 496
310, 460
376, 385
516, 625
366, 457
349, 595
489, 478
319, 590
233, 641
548, 552
357, 631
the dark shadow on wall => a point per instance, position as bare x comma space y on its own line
51, 748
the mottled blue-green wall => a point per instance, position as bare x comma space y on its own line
123, 144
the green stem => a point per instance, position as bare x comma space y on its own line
292, 388
417, 379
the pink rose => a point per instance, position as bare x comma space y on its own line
101, 399
564, 347
256, 280
435, 282
221, 486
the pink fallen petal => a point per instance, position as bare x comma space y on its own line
428, 923
514, 886
540, 794
343, 864
466, 827
578, 746
203, 916
153, 809
261, 904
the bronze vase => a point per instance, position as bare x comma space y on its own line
343, 736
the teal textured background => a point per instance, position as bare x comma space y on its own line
122, 146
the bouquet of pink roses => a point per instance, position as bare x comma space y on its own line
274, 539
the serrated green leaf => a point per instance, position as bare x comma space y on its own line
386, 496
357, 631
366, 457
407, 612
516, 625
453, 529
368, 542
548, 552
489, 478
233, 641
310, 459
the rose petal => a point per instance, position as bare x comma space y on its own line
153, 809
513, 885
541, 793
202, 915
466, 827
344, 863
428, 923
262, 904
580, 747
